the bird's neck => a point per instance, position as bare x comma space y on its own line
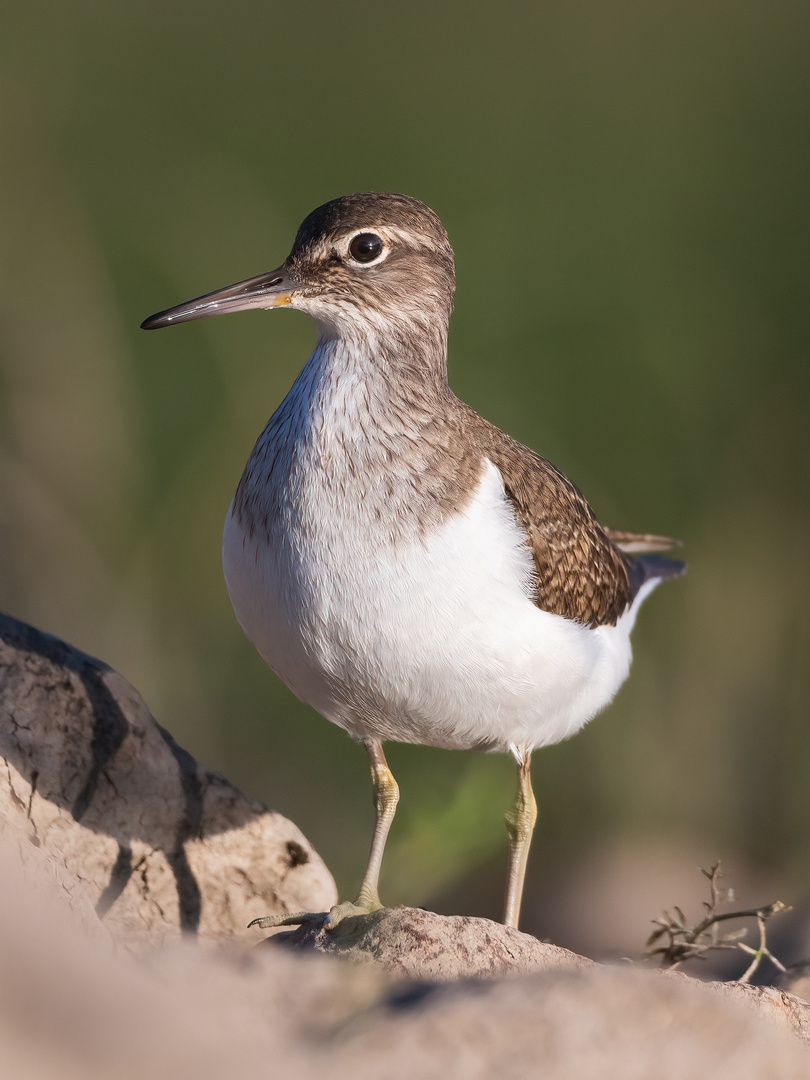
365, 429
370, 380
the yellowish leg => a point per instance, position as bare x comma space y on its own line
386, 797
519, 824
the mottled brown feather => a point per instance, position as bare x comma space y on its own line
580, 573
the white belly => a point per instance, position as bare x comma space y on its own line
433, 640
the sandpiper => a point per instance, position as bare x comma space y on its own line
407, 569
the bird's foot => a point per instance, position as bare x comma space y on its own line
330, 919
347, 910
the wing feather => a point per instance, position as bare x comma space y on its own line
584, 571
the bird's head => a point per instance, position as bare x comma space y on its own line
362, 264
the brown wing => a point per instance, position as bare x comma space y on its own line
581, 573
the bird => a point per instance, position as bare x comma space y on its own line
406, 568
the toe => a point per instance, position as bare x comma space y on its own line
296, 919
348, 910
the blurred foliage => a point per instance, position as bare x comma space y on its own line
623, 185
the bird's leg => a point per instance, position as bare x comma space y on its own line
386, 797
519, 824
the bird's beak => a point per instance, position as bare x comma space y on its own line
265, 291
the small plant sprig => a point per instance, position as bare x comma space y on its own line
675, 940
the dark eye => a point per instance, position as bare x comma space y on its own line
366, 247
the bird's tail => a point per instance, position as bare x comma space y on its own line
646, 567
636, 543
658, 568
646, 572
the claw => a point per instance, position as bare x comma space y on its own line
296, 919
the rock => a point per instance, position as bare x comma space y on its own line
73, 1006
417, 944
113, 835
155, 843
586, 1023
409, 943
791, 1011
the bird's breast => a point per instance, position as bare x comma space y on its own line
377, 565
417, 635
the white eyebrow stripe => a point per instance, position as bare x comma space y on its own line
388, 234
409, 236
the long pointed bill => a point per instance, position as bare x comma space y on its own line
265, 291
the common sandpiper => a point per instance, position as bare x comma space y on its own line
407, 569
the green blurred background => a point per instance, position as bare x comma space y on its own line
623, 184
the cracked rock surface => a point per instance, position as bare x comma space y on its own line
154, 842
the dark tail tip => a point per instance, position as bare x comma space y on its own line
658, 566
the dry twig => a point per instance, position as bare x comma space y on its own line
676, 941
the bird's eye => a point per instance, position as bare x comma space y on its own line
366, 247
